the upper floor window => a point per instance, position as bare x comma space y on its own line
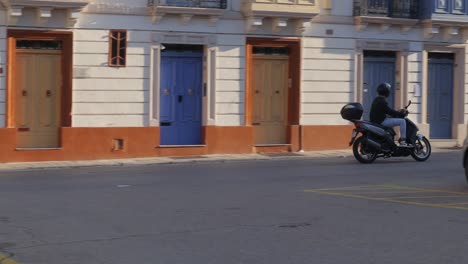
117, 48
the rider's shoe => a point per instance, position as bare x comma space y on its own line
403, 144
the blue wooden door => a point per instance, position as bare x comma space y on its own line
181, 98
440, 97
377, 70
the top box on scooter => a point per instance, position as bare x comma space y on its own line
352, 111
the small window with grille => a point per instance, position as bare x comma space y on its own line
117, 48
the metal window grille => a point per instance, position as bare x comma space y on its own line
39, 44
220, 4
386, 8
118, 48
405, 9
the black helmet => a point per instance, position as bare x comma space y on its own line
384, 89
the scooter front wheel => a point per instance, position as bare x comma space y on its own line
422, 149
362, 152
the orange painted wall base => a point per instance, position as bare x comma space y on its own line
325, 137
138, 142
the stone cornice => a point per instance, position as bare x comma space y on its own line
185, 13
48, 3
281, 14
361, 22
294, 11
448, 29
44, 10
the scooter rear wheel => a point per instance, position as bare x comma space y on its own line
362, 153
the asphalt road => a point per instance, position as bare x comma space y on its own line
302, 211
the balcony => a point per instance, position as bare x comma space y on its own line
186, 9
449, 18
404, 13
281, 11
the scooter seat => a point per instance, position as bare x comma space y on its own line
389, 129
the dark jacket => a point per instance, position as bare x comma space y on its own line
380, 110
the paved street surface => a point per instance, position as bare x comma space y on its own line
283, 210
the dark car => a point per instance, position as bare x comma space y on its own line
465, 158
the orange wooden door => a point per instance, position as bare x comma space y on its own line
38, 93
270, 100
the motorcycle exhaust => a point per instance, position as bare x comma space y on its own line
373, 145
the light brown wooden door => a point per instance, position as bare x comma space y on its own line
37, 95
270, 99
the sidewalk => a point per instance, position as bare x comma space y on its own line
188, 159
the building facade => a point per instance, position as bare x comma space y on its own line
98, 79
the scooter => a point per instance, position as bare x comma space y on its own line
377, 141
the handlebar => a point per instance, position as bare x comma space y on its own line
409, 103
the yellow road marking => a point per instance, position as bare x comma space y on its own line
364, 191
384, 192
4, 259
427, 190
374, 187
430, 197
387, 187
394, 200
456, 203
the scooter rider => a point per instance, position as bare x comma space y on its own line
381, 113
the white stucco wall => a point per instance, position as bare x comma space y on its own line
327, 79
230, 80
110, 96
105, 96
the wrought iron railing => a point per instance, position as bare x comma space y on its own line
387, 8
220, 4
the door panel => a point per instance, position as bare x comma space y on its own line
190, 74
270, 100
48, 94
181, 98
376, 71
440, 98
167, 97
190, 90
38, 99
260, 82
24, 95
167, 92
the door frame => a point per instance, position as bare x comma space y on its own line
199, 56
209, 73
294, 92
67, 66
401, 68
458, 118
395, 101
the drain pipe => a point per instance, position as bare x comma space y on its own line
300, 139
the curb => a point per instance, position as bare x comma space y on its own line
184, 159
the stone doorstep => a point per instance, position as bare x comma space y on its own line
444, 143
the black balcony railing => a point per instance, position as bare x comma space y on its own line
387, 8
220, 4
